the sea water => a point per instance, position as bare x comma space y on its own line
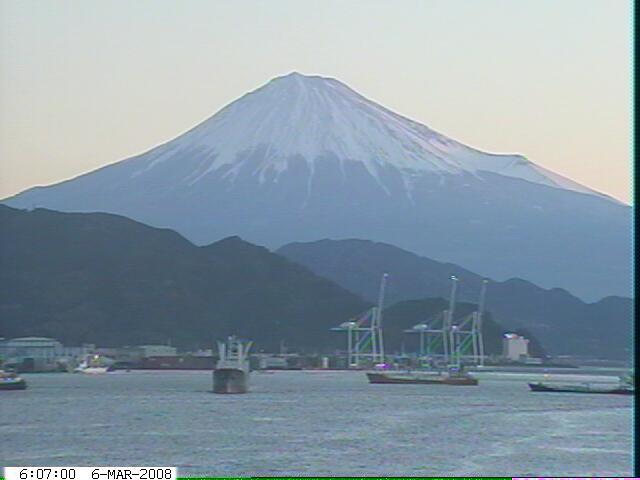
315, 423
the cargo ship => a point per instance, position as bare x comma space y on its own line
231, 374
581, 388
626, 386
455, 375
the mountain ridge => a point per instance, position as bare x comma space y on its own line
303, 158
108, 280
105, 279
561, 321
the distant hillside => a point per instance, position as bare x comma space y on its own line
108, 280
105, 279
563, 323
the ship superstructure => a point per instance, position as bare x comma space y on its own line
231, 374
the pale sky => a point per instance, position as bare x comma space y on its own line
87, 83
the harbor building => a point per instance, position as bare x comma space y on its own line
515, 347
162, 357
273, 362
157, 351
39, 354
135, 354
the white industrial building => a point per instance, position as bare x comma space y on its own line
515, 347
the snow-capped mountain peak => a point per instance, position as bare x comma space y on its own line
301, 118
306, 157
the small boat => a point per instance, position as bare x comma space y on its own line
454, 376
11, 381
92, 364
581, 388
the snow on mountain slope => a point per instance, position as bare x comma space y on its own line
302, 118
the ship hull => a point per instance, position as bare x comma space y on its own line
92, 370
13, 385
541, 387
385, 378
230, 380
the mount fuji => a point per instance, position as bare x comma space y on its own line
305, 157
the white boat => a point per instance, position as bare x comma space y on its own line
92, 364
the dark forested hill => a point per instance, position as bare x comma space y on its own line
105, 279
108, 280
